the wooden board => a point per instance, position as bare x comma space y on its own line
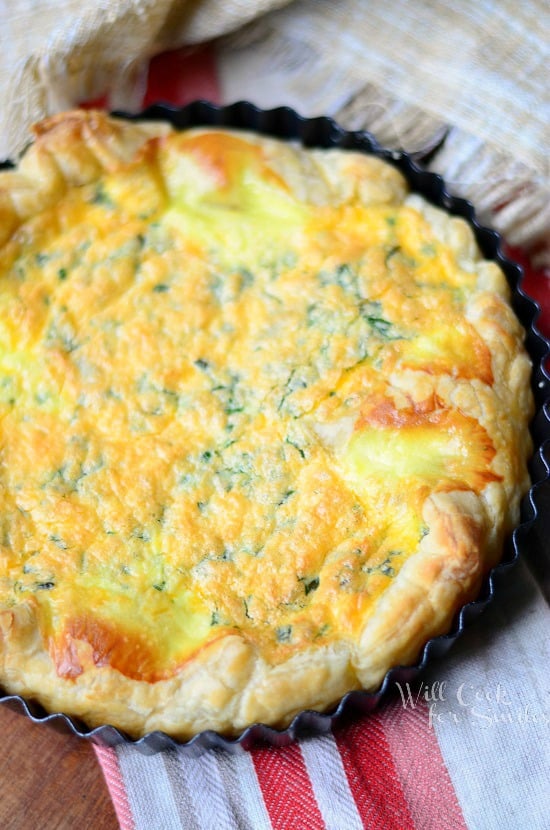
49, 780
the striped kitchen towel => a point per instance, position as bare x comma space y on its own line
360, 776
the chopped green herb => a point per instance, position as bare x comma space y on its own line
101, 197
285, 497
310, 584
381, 326
296, 447
391, 253
284, 633
371, 312
230, 395
292, 384
141, 533
246, 278
61, 335
343, 275
384, 567
387, 570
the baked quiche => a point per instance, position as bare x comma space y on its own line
263, 424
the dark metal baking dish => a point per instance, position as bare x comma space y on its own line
529, 538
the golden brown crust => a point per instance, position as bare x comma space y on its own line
435, 584
231, 681
68, 150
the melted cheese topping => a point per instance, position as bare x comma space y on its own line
198, 426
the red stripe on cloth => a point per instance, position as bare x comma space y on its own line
372, 775
182, 76
419, 764
286, 789
108, 762
536, 283
95, 104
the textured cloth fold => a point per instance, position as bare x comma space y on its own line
56, 53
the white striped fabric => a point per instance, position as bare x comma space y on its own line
174, 791
151, 796
224, 789
330, 785
493, 726
242, 789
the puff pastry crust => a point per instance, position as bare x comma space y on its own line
264, 424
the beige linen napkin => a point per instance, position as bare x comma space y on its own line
56, 53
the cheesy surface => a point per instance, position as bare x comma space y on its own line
250, 411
